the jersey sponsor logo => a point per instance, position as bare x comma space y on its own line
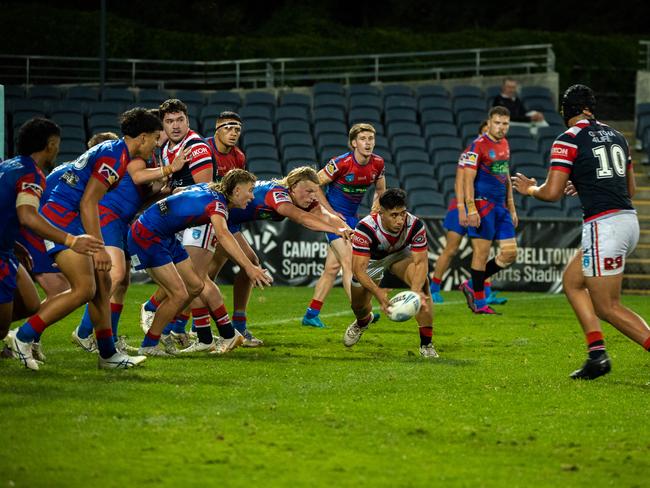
471, 158
359, 240
32, 187
196, 234
221, 208
71, 178
108, 172
281, 197
419, 239
499, 167
613, 263
585, 260
560, 151
492, 154
349, 178
200, 151
330, 168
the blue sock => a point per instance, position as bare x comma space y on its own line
31, 329
116, 311
168, 328
435, 286
239, 321
151, 305
150, 340
105, 343
86, 326
180, 323
480, 303
488, 290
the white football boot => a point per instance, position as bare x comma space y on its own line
119, 361
146, 319
226, 345
21, 350
89, 344
428, 351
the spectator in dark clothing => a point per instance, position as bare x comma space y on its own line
509, 99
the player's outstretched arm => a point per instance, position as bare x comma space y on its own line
311, 220
257, 275
550, 191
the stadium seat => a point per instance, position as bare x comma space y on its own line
390, 169
446, 170
264, 166
425, 197
437, 116
329, 127
26, 105
436, 143
397, 90
295, 139
473, 104
330, 101
329, 151
76, 107
22, 117
208, 117
402, 129
469, 132
296, 163
328, 88
400, 115
287, 126
466, 91
411, 169
356, 90
149, 95
448, 187
45, 92
540, 104
491, 92
228, 99
329, 114
392, 181
364, 115
540, 209
329, 139
473, 117
536, 91
120, 95
429, 103
302, 152
291, 99
522, 144
262, 152
518, 131
405, 141
83, 93
366, 101
264, 98
66, 157
256, 138
65, 120
75, 134
250, 112
555, 119
416, 182
440, 129
292, 112
400, 102
424, 210
258, 125
572, 207
72, 146
411, 156
194, 98
268, 175
433, 91
445, 156
14, 92
104, 108
531, 171
526, 157
381, 142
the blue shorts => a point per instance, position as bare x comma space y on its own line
351, 220
451, 222
234, 228
8, 271
496, 223
149, 250
36, 247
114, 229
63, 218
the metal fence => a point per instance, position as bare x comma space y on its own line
644, 55
278, 72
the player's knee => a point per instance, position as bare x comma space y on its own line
194, 289
507, 256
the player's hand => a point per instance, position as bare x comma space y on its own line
536, 116
86, 244
345, 232
102, 260
23, 256
462, 216
521, 183
181, 158
382, 298
424, 300
570, 189
514, 217
473, 220
259, 276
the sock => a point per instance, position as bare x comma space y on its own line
435, 285
478, 285
85, 326
31, 329
314, 309
105, 342
168, 328
488, 288
150, 340
220, 316
595, 344
426, 333
492, 268
116, 311
239, 321
152, 304
180, 323
646, 344
201, 323
365, 321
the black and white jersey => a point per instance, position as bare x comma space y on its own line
371, 239
199, 159
597, 159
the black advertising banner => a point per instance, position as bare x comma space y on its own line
295, 256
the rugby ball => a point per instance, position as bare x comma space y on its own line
403, 306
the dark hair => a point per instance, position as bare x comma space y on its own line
156, 112
101, 137
481, 126
171, 106
228, 115
138, 121
393, 198
498, 110
34, 134
576, 98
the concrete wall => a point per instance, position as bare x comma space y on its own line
642, 86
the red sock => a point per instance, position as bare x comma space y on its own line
646, 344
37, 323
365, 321
316, 304
222, 319
426, 333
435, 280
154, 302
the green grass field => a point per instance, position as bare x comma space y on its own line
497, 408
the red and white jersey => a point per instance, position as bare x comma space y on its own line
200, 159
371, 239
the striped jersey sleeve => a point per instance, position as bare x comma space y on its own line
564, 152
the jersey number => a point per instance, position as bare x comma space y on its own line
616, 156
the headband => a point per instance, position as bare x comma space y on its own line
229, 124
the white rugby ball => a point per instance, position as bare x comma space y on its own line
403, 306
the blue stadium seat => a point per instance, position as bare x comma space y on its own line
402, 129
526, 157
295, 139
437, 116
68, 120
518, 131
13, 92
328, 88
397, 91
445, 171
45, 92
149, 95
437, 91
74, 134
330, 101
258, 139
536, 91
103, 123
329, 139
261, 112
436, 143
329, 151
365, 115
539, 209
466, 91
76, 107
440, 129
491, 92
411, 156
445, 156
530, 170
296, 163
29, 106
303, 152
120, 95
555, 119
104, 108
416, 182
405, 141
265, 166
292, 112
262, 152
473, 104
287, 126
400, 115
540, 104
258, 125
229, 99
412, 169
83, 93
356, 90
448, 187
473, 117
381, 142
390, 171
264, 98
429, 103
424, 210
522, 144
572, 207
291, 99
329, 114
400, 102
20, 118
366, 101
329, 127
418, 198
192, 98
72, 146
208, 117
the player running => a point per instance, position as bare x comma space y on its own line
596, 159
490, 206
347, 178
393, 240
153, 246
73, 207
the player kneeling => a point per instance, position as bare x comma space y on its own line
393, 240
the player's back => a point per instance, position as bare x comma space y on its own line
52, 180
597, 158
267, 196
127, 197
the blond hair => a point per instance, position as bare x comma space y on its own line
296, 175
357, 129
233, 178
101, 137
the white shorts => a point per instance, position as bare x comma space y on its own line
606, 242
377, 267
202, 236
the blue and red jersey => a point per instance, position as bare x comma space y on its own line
105, 162
351, 180
267, 197
52, 179
188, 208
490, 160
127, 198
225, 162
18, 176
